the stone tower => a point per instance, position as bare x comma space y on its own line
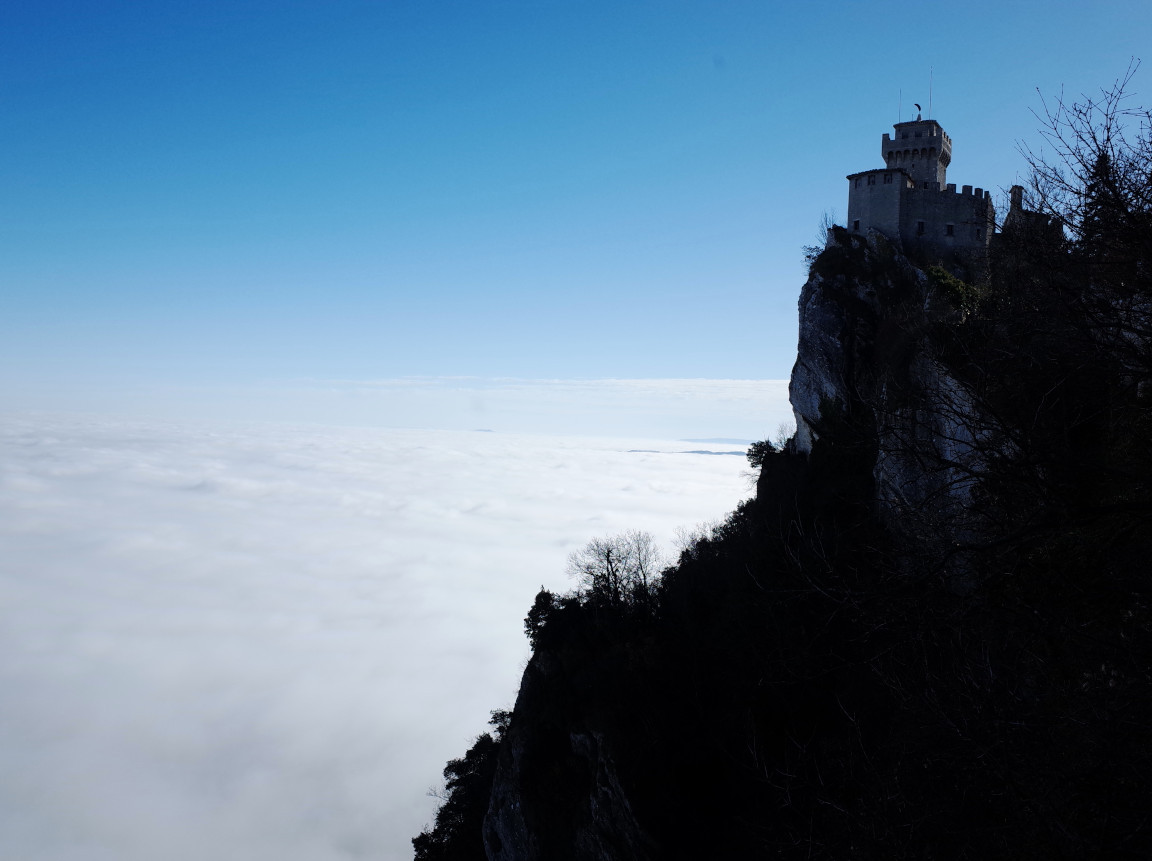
921, 149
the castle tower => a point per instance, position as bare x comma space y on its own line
911, 202
921, 149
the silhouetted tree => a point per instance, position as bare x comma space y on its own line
457, 834
538, 614
1096, 181
1098, 169
619, 569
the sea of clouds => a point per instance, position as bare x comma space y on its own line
670, 408
263, 641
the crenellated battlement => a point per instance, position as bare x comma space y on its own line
900, 177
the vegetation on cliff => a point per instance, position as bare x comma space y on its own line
828, 674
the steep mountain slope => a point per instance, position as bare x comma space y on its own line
930, 633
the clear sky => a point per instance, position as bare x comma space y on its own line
248, 192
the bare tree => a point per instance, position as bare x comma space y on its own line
1095, 181
619, 569
687, 540
823, 232
1101, 156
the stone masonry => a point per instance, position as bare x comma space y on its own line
911, 203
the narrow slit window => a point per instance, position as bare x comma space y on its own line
949, 230
919, 228
856, 224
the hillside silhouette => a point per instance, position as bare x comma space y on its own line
929, 633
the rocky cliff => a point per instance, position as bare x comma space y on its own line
874, 360
927, 636
575, 805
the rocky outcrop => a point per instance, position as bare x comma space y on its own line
926, 636
870, 365
557, 792
872, 376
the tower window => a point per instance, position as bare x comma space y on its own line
887, 179
979, 233
856, 224
856, 182
871, 180
949, 230
919, 228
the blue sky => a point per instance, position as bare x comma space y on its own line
242, 193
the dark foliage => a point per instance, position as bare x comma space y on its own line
809, 681
467, 785
758, 452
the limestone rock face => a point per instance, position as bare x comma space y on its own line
837, 315
870, 366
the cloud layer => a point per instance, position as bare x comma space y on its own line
672, 409
264, 641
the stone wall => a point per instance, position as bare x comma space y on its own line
920, 217
875, 201
940, 222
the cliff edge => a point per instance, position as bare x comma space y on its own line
927, 636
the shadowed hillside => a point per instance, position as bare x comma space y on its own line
928, 635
